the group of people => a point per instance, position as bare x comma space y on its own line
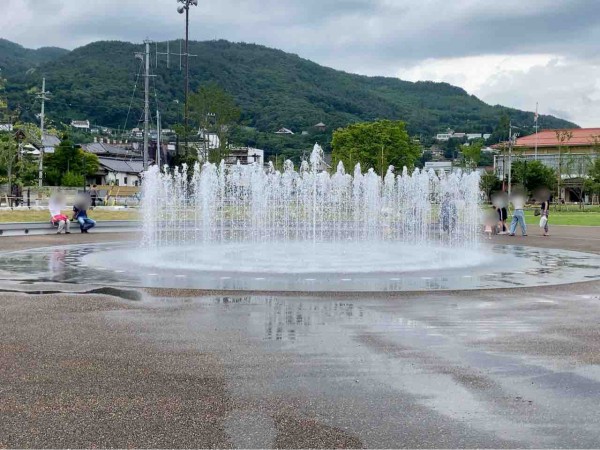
497, 221
57, 205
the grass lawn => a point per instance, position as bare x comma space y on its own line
585, 218
43, 216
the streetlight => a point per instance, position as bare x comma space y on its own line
185, 8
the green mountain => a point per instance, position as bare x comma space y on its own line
15, 59
274, 89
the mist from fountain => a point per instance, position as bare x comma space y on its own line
245, 203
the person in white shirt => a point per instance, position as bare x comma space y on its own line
518, 201
56, 205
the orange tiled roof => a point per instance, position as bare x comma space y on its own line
547, 138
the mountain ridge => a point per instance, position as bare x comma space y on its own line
273, 88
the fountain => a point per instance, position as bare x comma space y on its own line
244, 219
246, 204
243, 228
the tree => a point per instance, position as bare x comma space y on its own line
471, 154
563, 137
375, 145
451, 148
592, 182
500, 133
533, 175
425, 157
69, 161
9, 154
489, 183
215, 111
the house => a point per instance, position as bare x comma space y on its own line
320, 126
284, 131
50, 142
120, 172
106, 149
81, 124
446, 166
209, 140
571, 157
245, 156
6, 126
472, 136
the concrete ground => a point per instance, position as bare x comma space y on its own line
114, 368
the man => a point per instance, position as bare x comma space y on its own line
80, 214
518, 201
94, 195
56, 205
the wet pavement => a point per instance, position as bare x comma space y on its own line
83, 365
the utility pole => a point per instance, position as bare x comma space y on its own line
42, 96
146, 102
510, 144
536, 130
158, 149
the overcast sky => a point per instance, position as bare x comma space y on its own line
510, 52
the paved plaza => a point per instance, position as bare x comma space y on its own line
84, 365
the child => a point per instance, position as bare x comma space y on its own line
489, 224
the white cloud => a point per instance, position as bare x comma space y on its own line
501, 51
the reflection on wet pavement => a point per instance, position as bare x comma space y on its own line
467, 370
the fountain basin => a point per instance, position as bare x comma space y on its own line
335, 267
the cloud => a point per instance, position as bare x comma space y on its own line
480, 45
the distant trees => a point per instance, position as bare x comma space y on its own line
533, 175
69, 165
214, 111
489, 183
472, 154
375, 145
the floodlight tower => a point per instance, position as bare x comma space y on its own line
185, 8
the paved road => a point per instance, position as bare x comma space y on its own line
510, 368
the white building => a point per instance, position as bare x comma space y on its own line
446, 166
284, 131
81, 124
119, 172
245, 155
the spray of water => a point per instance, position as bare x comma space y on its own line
252, 205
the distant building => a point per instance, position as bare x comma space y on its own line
81, 124
450, 134
446, 166
472, 136
321, 126
209, 141
284, 131
120, 172
573, 154
106, 149
137, 133
6, 126
245, 156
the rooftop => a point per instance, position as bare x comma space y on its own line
547, 138
121, 165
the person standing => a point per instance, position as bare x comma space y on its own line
544, 213
518, 201
94, 195
56, 205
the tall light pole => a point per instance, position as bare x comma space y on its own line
511, 141
185, 8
